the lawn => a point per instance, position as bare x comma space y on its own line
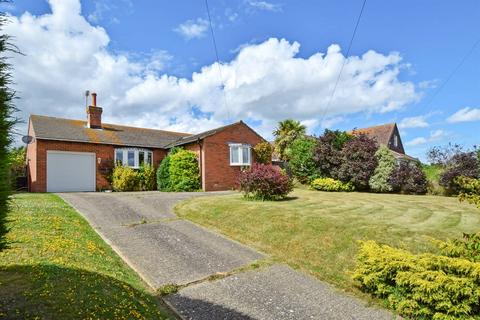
57, 267
318, 231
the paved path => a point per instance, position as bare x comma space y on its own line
164, 249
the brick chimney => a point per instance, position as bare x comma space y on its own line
94, 114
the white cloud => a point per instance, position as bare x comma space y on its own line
265, 5
414, 122
266, 82
434, 136
192, 29
465, 115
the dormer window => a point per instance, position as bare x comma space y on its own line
133, 157
395, 140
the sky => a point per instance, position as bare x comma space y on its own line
153, 64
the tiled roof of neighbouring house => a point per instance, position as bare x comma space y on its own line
380, 133
50, 128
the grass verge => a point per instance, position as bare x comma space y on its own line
318, 231
57, 267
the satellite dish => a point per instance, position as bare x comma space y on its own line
27, 139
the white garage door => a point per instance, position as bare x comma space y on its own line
70, 171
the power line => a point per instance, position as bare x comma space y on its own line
217, 58
344, 61
450, 76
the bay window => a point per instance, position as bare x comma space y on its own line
133, 157
240, 154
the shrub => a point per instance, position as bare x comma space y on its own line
327, 155
125, 179
424, 286
469, 191
432, 173
329, 184
264, 182
408, 178
184, 173
461, 164
380, 181
147, 178
358, 161
466, 248
16, 159
263, 152
163, 175
163, 171
301, 161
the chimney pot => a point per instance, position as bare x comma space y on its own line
94, 99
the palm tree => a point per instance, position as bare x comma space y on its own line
287, 131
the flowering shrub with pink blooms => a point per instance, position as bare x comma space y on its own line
264, 182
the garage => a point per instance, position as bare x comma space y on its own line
70, 171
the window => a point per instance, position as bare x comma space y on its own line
133, 157
395, 140
240, 155
118, 157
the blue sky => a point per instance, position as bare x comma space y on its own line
141, 57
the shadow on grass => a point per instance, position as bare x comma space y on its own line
52, 292
46, 291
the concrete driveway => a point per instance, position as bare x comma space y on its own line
164, 249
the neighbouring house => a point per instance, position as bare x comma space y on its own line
387, 135
74, 155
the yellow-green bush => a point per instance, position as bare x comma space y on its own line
470, 190
125, 179
147, 178
423, 286
329, 184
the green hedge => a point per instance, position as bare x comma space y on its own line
179, 171
329, 184
423, 286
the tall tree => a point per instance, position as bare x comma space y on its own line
7, 121
287, 131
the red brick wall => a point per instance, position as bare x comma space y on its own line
37, 157
217, 172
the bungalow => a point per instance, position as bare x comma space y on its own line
387, 135
68, 155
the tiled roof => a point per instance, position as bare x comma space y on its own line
380, 133
202, 135
50, 128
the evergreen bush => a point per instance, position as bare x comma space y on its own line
301, 163
423, 286
380, 181
184, 173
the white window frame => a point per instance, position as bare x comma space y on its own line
395, 140
136, 151
241, 149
